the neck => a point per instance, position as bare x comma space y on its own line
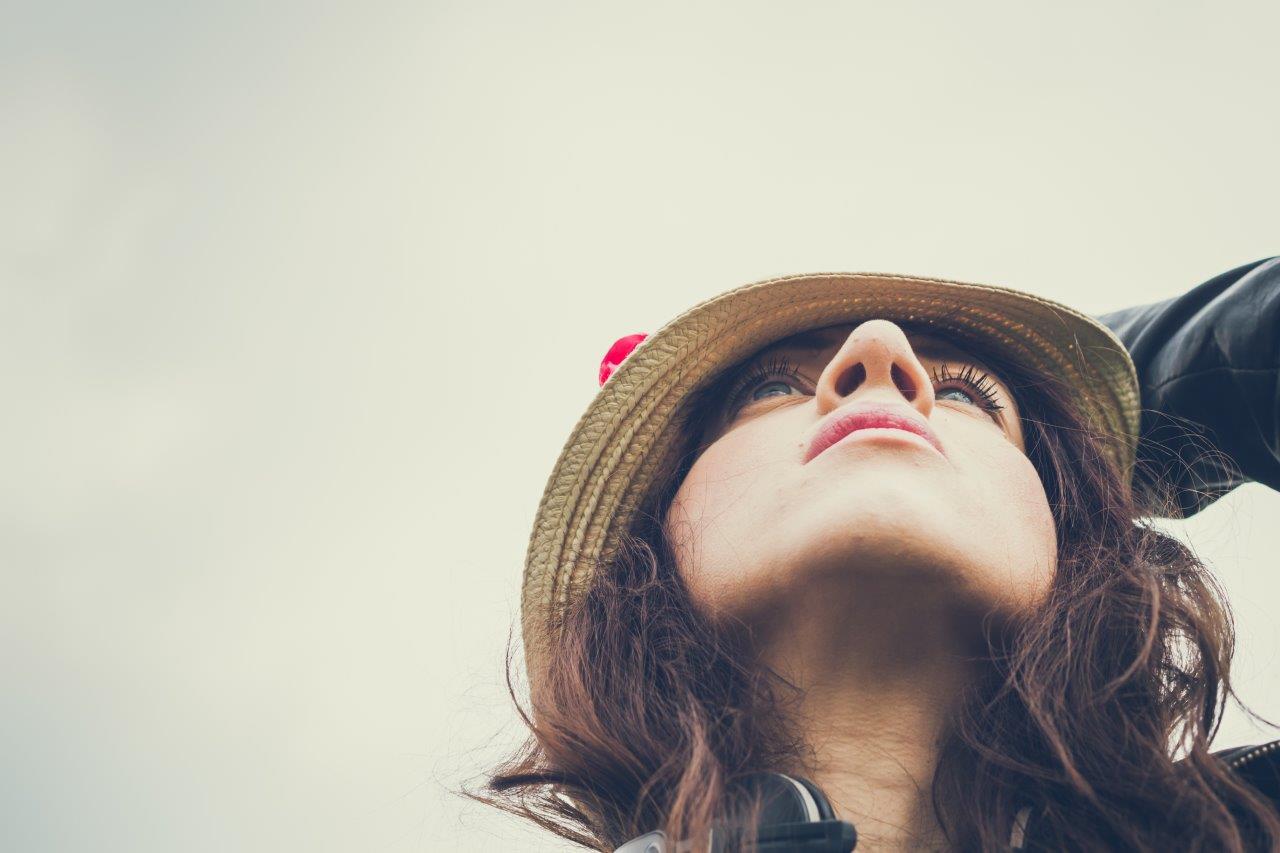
881, 668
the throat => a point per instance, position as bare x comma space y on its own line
878, 679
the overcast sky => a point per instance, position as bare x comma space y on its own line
299, 302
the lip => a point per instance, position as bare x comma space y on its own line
841, 422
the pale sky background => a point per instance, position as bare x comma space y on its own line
300, 302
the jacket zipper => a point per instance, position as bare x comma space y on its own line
1262, 749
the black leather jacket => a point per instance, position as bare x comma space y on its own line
1209, 361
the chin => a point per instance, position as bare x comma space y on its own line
921, 545
886, 540
879, 504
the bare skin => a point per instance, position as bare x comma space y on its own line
865, 572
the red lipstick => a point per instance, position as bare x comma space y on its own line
841, 422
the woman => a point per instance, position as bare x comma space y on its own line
881, 533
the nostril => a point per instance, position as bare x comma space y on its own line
904, 383
850, 380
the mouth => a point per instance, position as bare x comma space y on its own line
841, 423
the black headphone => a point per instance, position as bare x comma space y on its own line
795, 818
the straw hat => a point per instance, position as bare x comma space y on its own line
627, 444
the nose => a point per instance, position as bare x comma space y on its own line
876, 364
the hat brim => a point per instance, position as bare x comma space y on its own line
629, 439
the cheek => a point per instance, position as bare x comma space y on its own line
1018, 526
716, 520
1028, 496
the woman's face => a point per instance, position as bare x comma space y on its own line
779, 502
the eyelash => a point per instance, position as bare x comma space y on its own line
979, 383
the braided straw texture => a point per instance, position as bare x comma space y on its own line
628, 442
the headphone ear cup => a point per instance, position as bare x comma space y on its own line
784, 799
794, 815
825, 811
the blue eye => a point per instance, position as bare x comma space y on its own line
977, 387
753, 378
784, 386
964, 395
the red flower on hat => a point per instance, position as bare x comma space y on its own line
621, 348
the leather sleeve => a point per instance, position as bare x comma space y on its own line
1209, 368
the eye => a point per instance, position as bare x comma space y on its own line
959, 395
784, 387
752, 387
974, 386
